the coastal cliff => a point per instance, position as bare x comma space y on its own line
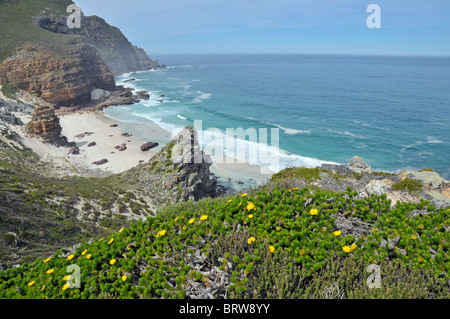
39, 54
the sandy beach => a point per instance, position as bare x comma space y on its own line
107, 134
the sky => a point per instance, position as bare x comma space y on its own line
408, 27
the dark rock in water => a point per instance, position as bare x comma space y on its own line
74, 150
162, 96
101, 162
127, 134
160, 101
143, 95
241, 183
148, 146
92, 144
129, 80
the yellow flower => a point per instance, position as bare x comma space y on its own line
70, 257
84, 253
420, 226
250, 206
48, 259
67, 277
413, 237
204, 217
240, 204
101, 239
124, 277
353, 246
88, 256
229, 201
161, 233
176, 219
111, 241
271, 249
346, 249
192, 221
250, 216
313, 211
43, 288
121, 230
184, 227
30, 284
337, 233
50, 271
112, 262
289, 190
302, 252
420, 259
278, 228
295, 189
388, 220
251, 240
65, 287
243, 195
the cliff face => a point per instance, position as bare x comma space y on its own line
41, 55
114, 48
60, 79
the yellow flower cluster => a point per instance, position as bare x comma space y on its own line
192, 221
337, 233
250, 216
50, 271
250, 206
348, 249
251, 240
70, 257
112, 262
271, 249
111, 241
204, 217
243, 195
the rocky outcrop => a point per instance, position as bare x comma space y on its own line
179, 172
45, 124
358, 175
358, 165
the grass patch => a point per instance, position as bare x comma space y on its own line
412, 186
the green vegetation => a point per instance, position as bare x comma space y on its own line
282, 243
9, 90
427, 170
413, 186
17, 24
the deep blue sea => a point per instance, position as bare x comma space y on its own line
393, 112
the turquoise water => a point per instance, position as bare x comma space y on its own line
394, 112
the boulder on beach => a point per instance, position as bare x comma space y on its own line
122, 147
127, 134
74, 150
101, 162
92, 144
148, 146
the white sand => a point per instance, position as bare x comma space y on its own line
106, 138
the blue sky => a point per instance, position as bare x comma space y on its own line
408, 27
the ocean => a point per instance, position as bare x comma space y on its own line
393, 112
